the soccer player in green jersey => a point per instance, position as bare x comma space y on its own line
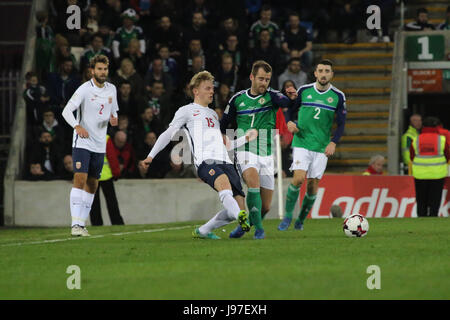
256, 108
319, 103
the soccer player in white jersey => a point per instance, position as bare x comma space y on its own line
210, 153
96, 104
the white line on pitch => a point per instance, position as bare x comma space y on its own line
95, 237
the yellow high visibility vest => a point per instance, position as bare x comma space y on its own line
106, 170
411, 133
429, 166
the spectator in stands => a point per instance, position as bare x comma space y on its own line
67, 168
91, 22
133, 52
156, 73
293, 72
202, 6
252, 7
160, 164
169, 64
95, 49
197, 30
227, 73
128, 72
429, 154
179, 170
387, 9
264, 23
446, 24
47, 154
51, 125
111, 16
297, 37
36, 100
347, 20
61, 52
421, 23
107, 35
415, 124
376, 165
44, 44
168, 34
36, 173
124, 155
229, 26
129, 104
232, 48
222, 96
148, 123
198, 65
194, 49
267, 51
62, 85
159, 100
127, 32
110, 172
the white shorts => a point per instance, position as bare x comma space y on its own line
264, 166
314, 163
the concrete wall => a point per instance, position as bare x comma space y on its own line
140, 202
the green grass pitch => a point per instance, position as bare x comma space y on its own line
164, 262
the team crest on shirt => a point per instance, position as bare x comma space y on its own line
212, 172
297, 162
261, 101
78, 165
330, 100
109, 100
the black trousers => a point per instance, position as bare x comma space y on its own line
111, 203
428, 196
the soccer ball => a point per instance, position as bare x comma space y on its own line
356, 226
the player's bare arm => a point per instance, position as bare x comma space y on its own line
330, 149
114, 121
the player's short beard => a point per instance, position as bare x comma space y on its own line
99, 80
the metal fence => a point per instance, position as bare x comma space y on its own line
8, 96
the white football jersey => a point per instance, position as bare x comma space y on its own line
94, 108
203, 132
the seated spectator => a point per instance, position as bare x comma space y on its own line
133, 52
62, 85
148, 123
160, 102
122, 155
267, 51
47, 154
160, 164
127, 72
297, 37
264, 23
123, 124
232, 48
179, 170
156, 73
170, 65
127, 32
91, 22
107, 35
36, 173
51, 125
96, 48
129, 104
227, 73
446, 24
346, 18
168, 34
111, 15
36, 101
194, 49
61, 53
198, 65
376, 164
421, 23
197, 30
294, 73
229, 26
67, 169
44, 43
222, 96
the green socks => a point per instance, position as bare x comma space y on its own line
308, 202
254, 205
291, 200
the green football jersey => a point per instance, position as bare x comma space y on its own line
255, 112
316, 115
124, 37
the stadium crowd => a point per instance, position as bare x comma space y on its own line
154, 48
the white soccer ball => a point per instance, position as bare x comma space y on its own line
356, 226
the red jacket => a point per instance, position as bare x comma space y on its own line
282, 127
445, 133
126, 153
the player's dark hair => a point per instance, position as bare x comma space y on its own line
98, 59
421, 10
260, 64
325, 62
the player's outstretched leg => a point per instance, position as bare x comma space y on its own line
205, 231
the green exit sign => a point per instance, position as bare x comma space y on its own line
425, 48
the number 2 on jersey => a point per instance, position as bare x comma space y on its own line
102, 106
316, 116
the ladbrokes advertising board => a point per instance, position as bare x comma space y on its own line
371, 196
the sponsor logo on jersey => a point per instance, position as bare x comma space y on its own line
242, 104
330, 100
309, 97
95, 97
262, 100
212, 172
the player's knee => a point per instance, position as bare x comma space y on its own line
298, 181
265, 209
79, 181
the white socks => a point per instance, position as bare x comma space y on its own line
220, 219
80, 206
230, 204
